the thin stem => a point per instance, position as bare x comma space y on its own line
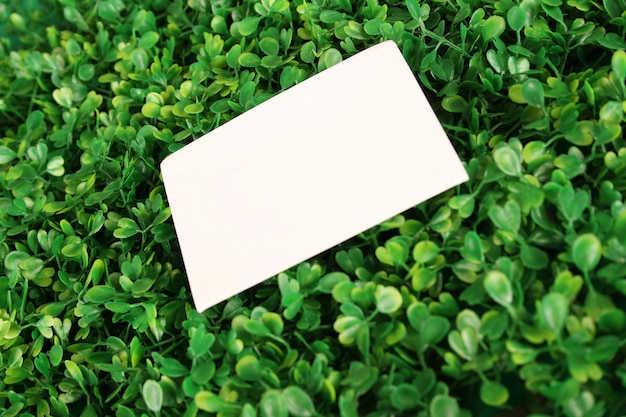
24, 296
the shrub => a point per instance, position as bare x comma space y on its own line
504, 295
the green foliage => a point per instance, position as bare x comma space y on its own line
506, 294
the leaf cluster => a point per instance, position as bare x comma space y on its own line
504, 295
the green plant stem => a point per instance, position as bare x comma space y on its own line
24, 298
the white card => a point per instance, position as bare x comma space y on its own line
307, 169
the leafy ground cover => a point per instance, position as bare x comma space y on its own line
504, 296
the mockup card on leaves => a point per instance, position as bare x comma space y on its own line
307, 169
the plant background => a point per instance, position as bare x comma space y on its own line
502, 297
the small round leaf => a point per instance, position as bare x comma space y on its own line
532, 91
405, 397
388, 300
248, 368
425, 251
508, 160
586, 252
493, 393
249, 59
553, 311
493, 27
444, 406
298, 402
516, 17
618, 64
153, 395
273, 404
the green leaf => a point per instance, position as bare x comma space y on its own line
13, 259
444, 406
612, 7
15, 375
516, 18
532, 91
533, 257
472, 249
414, 9
405, 397
416, 314
454, 104
126, 228
6, 155
464, 203
257, 329
139, 58
612, 41
521, 353
586, 252
493, 27
618, 64
553, 310
63, 96
554, 12
307, 52
499, 288
100, 294
74, 371
151, 110
611, 112
273, 404
348, 403
508, 160
153, 395
56, 355
329, 58
173, 368
249, 59
388, 300
493, 393
464, 343
232, 57
298, 402
423, 278
332, 16
425, 251
269, 46
508, 217
55, 166
148, 40
201, 341
72, 249
612, 321
329, 281
248, 368
207, 401
572, 203
248, 26
433, 329
194, 108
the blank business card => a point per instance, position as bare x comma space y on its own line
309, 168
